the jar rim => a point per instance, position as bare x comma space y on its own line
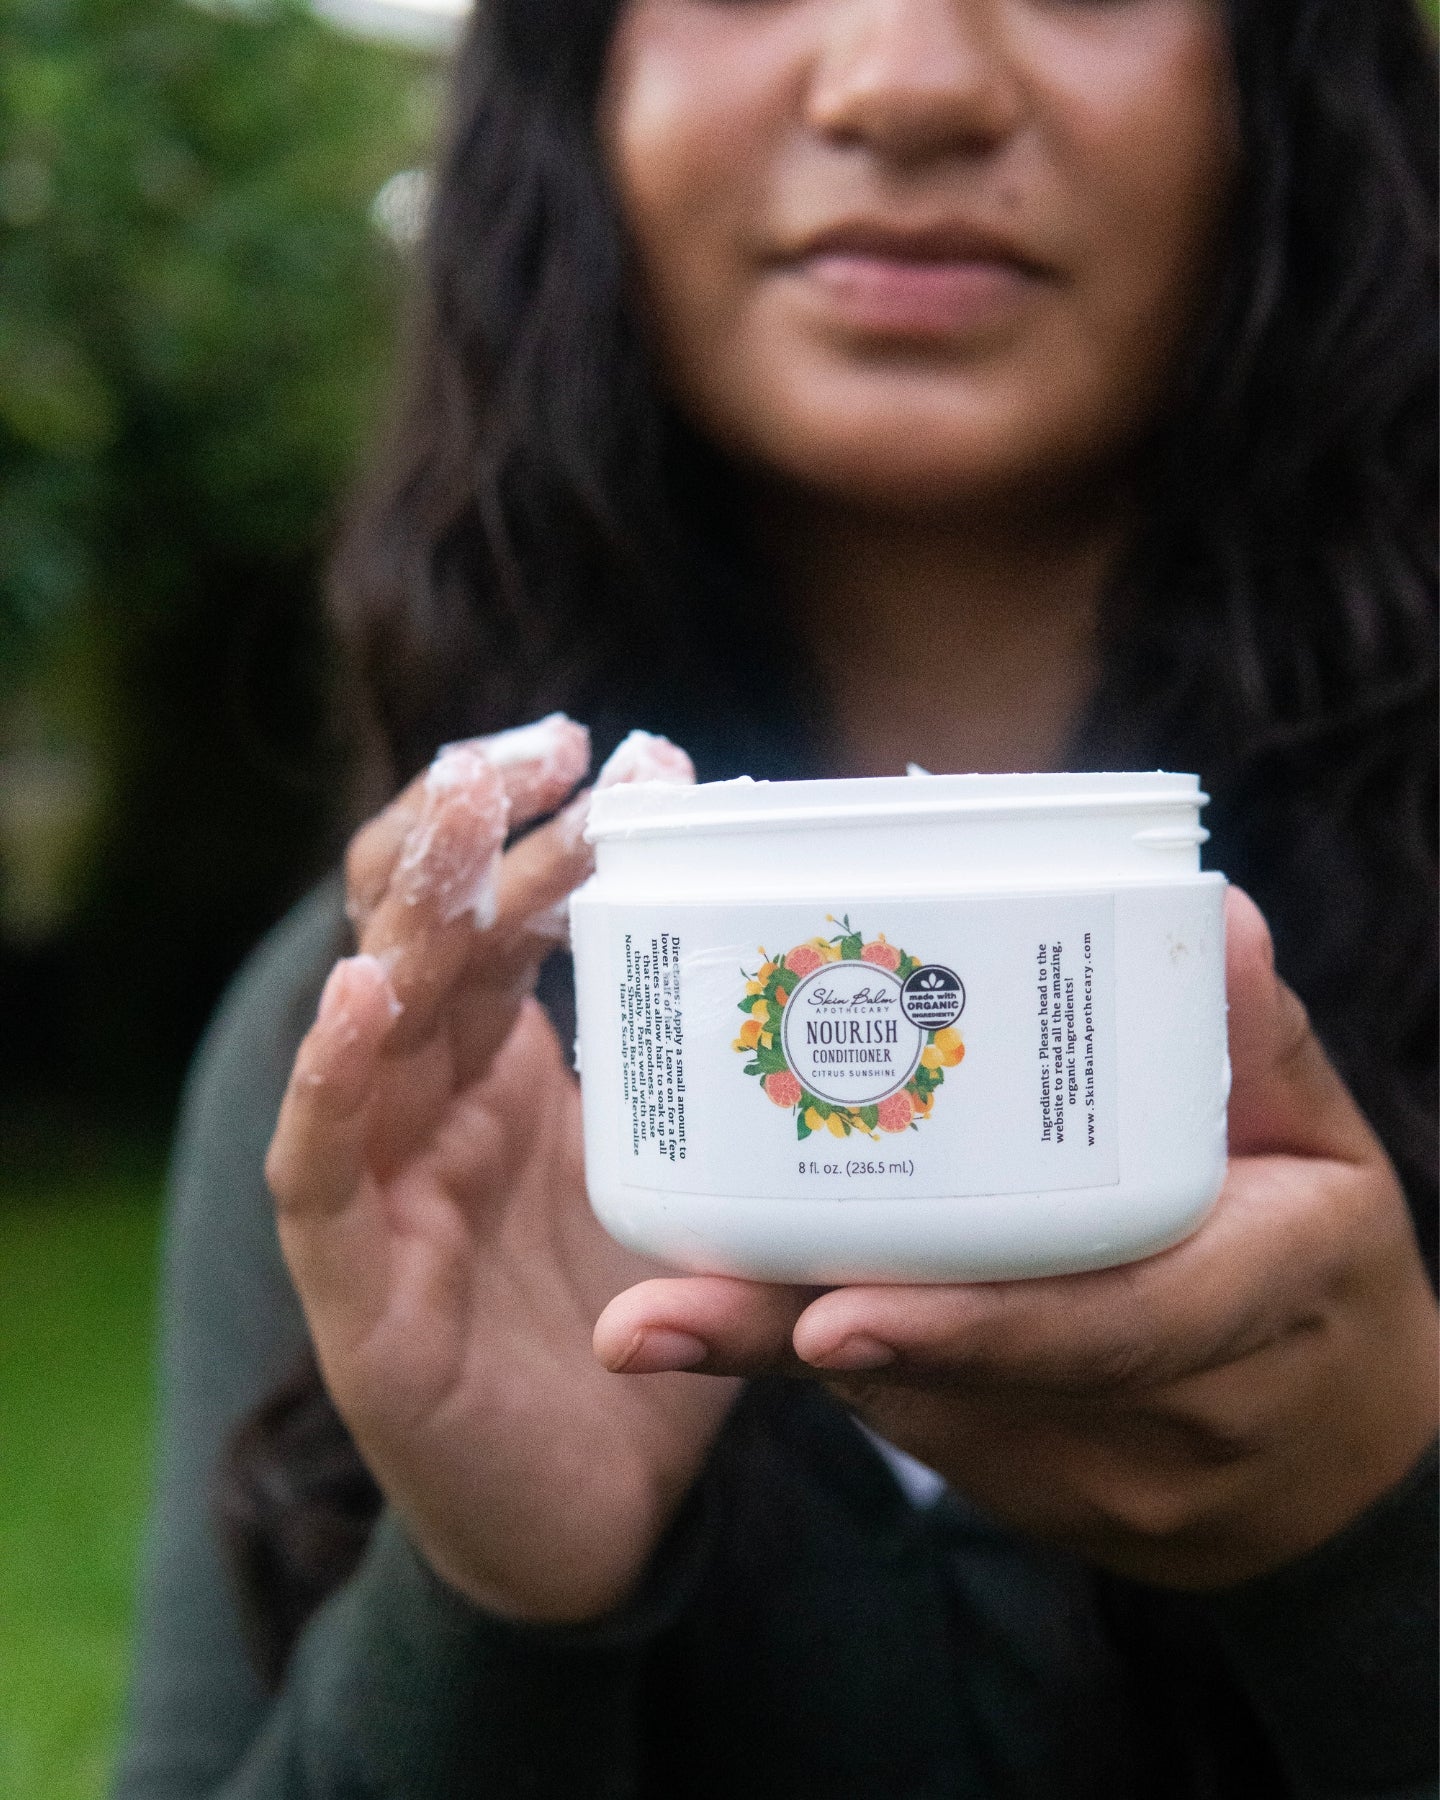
656, 808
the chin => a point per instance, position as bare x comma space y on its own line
899, 469
914, 441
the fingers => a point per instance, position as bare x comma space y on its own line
462, 926
531, 917
1262, 1271
729, 1326
538, 874
448, 862
644, 757
333, 1232
317, 1156
544, 869
1285, 1096
445, 876
531, 910
374, 850
1262, 1268
538, 765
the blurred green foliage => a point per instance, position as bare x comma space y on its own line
193, 300
196, 317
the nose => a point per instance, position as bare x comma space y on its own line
915, 79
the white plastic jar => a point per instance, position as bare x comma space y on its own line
931, 1028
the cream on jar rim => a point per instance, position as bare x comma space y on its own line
924, 1028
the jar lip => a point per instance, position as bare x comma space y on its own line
655, 808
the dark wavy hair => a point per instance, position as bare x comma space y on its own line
538, 512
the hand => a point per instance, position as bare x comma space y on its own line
1190, 1420
427, 1167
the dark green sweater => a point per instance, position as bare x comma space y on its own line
805, 1630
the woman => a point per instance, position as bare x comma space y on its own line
997, 383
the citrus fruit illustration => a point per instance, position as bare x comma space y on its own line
765, 997
895, 1112
783, 1088
804, 959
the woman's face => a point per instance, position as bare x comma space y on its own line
922, 251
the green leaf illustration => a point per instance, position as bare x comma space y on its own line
850, 947
870, 1116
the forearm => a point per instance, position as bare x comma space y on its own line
401, 1687
1338, 1652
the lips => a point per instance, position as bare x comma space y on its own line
884, 279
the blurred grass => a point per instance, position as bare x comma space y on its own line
77, 1281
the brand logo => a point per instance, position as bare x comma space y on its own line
845, 1036
851, 1034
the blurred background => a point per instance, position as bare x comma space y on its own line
206, 213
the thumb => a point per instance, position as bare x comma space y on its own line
1285, 1096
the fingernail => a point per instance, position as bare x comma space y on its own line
373, 965
334, 981
645, 757
363, 965
652, 1351
854, 1353
456, 765
558, 747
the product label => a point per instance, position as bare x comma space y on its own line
948, 1047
